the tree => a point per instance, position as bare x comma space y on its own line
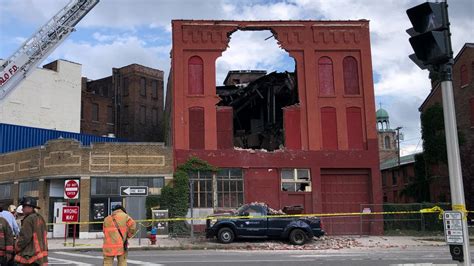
175, 196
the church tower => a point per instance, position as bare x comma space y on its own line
387, 136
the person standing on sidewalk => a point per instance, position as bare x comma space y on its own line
6, 243
8, 216
118, 228
32, 244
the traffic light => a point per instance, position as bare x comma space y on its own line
430, 36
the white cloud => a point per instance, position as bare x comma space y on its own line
98, 59
260, 54
119, 38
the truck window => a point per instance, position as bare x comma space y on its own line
254, 211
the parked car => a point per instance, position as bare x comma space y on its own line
226, 228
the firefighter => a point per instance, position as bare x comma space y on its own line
118, 228
32, 245
6, 243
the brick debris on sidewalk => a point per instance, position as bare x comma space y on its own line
323, 243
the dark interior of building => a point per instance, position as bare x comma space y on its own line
257, 109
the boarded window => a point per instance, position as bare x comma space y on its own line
464, 76
326, 76
154, 89
143, 87
110, 115
195, 76
351, 76
224, 128
142, 114
196, 128
329, 128
126, 83
95, 112
354, 128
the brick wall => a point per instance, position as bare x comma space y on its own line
126, 107
67, 157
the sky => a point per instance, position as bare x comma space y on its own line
121, 32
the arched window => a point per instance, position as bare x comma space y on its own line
195, 76
326, 76
464, 77
387, 143
351, 76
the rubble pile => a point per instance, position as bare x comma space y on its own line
323, 243
270, 210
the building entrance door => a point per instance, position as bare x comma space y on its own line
58, 228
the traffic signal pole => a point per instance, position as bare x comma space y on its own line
430, 39
454, 161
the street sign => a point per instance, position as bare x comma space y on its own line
71, 189
133, 191
453, 228
70, 214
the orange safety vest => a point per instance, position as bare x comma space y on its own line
113, 242
6, 238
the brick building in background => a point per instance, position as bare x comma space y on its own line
313, 134
128, 104
463, 87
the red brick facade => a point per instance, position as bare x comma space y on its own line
331, 134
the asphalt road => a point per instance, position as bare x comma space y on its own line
435, 255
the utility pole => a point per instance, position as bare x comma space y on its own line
431, 41
398, 144
191, 201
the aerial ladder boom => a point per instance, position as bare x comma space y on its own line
43, 42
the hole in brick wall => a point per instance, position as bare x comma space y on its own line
258, 80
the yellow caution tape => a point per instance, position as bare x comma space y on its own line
462, 209
434, 209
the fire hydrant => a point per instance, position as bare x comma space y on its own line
153, 235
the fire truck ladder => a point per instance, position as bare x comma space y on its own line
43, 42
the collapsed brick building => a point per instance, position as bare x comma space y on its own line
302, 138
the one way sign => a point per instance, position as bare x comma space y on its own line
133, 191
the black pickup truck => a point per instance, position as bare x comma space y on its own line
226, 228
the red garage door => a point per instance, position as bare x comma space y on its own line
344, 193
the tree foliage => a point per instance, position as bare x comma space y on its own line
419, 188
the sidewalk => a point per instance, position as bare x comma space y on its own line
324, 243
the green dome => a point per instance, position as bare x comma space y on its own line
382, 114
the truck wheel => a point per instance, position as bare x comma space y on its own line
225, 235
298, 237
